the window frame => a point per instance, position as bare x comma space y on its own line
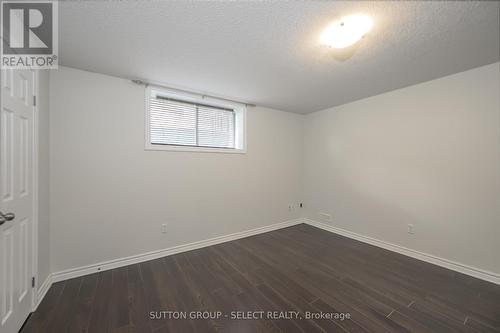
240, 122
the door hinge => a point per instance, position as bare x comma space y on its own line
34, 100
33, 282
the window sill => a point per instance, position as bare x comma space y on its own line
195, 149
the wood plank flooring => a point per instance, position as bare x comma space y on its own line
301, 268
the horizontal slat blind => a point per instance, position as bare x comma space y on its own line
215, 127
174, 122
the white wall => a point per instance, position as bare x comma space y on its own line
109, 196
427, 155
43, 177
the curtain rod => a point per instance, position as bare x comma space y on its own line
145, 83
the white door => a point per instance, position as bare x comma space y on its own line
16, 197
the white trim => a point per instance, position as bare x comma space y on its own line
449, 264
42, 291
196, 149
115, 263
34, 181
111, 264
239, 109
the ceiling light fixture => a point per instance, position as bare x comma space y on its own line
346, 31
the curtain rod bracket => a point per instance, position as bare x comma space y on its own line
140, 82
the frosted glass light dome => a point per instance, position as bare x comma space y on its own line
346, 31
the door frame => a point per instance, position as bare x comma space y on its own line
34, 186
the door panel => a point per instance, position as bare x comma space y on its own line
23, 155
23, 260
16, 177
7, 154
7, 273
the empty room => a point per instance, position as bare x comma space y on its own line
249, 166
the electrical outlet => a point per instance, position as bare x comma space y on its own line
164, 228
325, 216
411, 229
290, 207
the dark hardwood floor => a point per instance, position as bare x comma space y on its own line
301, 268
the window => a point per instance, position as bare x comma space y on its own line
191, 123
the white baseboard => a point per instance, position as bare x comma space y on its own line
42, 291
115, 263
111, 264
449, 264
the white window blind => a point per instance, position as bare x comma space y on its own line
183, 123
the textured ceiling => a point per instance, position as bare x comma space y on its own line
268, 52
